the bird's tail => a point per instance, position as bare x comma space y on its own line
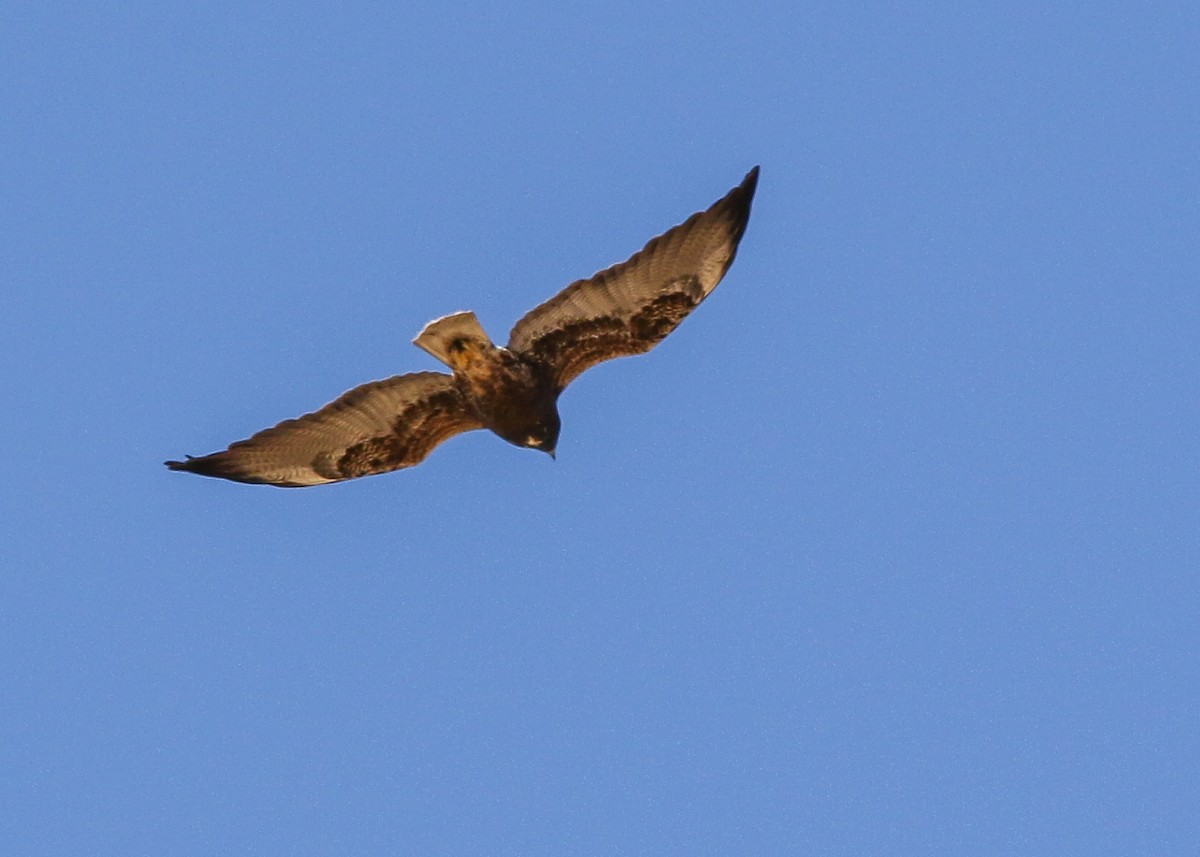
452, 337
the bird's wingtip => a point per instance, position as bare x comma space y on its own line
751, 179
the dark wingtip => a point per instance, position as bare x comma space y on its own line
218, 466
204, 466
749, 185
738, 200
736, 206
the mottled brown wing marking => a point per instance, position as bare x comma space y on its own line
381, 426
630, 307
663, 314
416, 431
580, 345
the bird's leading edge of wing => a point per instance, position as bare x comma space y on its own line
628, 308
381, 426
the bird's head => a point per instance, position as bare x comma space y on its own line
544, 434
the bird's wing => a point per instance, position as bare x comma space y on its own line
381, 426
628, 308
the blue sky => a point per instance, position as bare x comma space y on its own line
891, 548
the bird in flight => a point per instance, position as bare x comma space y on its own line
511, 390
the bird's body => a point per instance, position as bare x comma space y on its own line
509, 394
511, 390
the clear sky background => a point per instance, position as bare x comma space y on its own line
891, 548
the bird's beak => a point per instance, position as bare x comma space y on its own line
550, 452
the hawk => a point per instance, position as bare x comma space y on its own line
511, 390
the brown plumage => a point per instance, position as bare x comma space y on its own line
513, 391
